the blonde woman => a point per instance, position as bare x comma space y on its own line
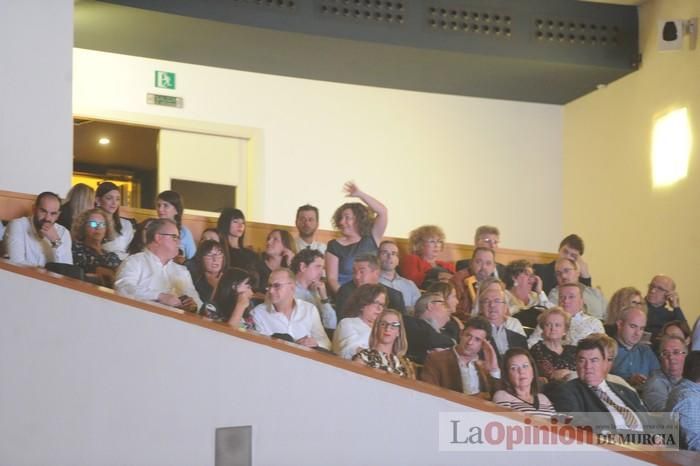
387, 346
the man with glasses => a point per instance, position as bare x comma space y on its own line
38, 240
635, 361
506, 332
424, 330
567, 271
486, 236
570, 247
152, 275
663, 304
283, 314
673, 351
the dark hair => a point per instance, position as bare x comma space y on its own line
574, 242
508, 385
681, 324
364, 217
307, 207
481, 248
591, 343
44, 194
175, 199
514, 269
444, 288
155, 226
225, 296
204, 248
139, 240
479, 323
306, 257
104, 188
287, 241
361, 297
223, 226
691, 368
371, 259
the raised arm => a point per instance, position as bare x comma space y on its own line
332, 271
382, 219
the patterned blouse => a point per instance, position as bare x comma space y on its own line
548, 361
386, 362
88, 259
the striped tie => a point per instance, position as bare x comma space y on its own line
626, 413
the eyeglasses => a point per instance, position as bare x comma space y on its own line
438, 301
276, 286
491, 302
212, 255
174, 236
381, 305
434, 242
636, 302
388, 325
667, 354
95, 225
489, 240
653, 287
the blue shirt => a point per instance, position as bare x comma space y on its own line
685, 400
640, 359
187, 243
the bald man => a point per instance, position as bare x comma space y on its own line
663, 304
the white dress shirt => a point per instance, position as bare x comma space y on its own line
351, 336
304, 322
143, 276
593, 300
25, 246
408, 289
315, 245
616, 415
119, 244
328, 316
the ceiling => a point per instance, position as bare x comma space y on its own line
424, 52
130, 148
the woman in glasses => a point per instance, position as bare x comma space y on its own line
207, 267
230, 302
520, 391
362, 308
90, 231
426, 243
387, 346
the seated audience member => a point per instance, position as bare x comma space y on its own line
207, 267
307, 266
138, 242
80, 198
425, 243
676, 328
663, 304
90, 230
520, 391
571, 248
366, 272
555, 360
635, 360
152, 275
424, 329
486, 236
524, 287
279, 252
684, 400
361, 229
567, 272
108, 197
231, 229
468, 281
582, 324
307, 225
388, 260
281, 313
437, 275
471, 367
230, 302
363, 307
621, 299
209, 234
610, 346
454, 326
655, 391
38, 239
169, 204
591, 393
387, 346
506, 331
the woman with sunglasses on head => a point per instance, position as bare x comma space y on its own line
231, 299
169, 204
362, 308
108, 197
207, 267
387, 346
90, 230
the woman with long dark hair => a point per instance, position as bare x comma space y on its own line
280, 249
108, 197
207, 268
231, 229
230, 302
169, 204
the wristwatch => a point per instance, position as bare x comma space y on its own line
55, 243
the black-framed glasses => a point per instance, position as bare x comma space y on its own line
95, 225
393, 325
276, 286
174, 236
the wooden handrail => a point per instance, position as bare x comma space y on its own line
664, 458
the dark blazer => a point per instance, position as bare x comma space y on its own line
575, 396
394, 299
515, 340
549, 278
442, 369
422, 337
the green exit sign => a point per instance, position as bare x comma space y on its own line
165, 79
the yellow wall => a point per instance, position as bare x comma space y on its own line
632, 230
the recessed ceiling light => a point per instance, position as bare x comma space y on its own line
104, 141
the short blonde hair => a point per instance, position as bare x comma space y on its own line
542, 318
421, 234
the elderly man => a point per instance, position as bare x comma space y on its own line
567, 271
307, 225
673, 351
38, 240
307, 266
462, 369
684, 399
283, 314
388, 260
635, 361
424, 331
152, 275
570, 247
582, 324
663, 304
467, 281
365, 271
507, 332
619, 408
486, 236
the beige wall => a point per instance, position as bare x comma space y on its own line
632, 230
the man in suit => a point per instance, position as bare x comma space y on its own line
471, 367
486, 236
570, 247
423, 330
615, 408
506, 332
